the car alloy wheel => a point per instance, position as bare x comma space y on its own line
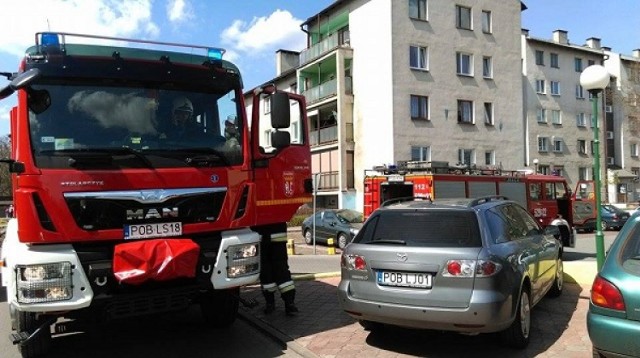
558, 282
342, 241
308, 239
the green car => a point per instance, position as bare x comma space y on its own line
613, 320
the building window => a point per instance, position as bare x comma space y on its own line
580, 120
553, 60
463, 17
635, 171
490, 157
543, 144
582, 146
556, 116
544, 170
555, 88
577, 64
579, 92
466, 156
593, 147
465, 111
539, 57
488, 113
540, 86
591, 62
419, 107
558, 170
421, 153
634, 149
487, 67
486, 22
583, 173
267, 105
418, 58
464, 63
418, 9
557, 145
541, 115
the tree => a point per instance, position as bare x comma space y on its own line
5, 176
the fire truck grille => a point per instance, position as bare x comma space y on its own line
129, 306
102, 213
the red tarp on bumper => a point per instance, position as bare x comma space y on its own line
157, 260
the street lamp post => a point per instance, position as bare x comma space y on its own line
535, 165
594, 79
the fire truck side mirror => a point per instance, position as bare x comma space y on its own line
14, 167
280, 110
21, 80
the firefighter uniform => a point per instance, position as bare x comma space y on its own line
274, 270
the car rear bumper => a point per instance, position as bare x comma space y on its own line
612, 336
488, 312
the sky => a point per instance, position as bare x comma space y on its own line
252, 31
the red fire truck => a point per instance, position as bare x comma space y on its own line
545, 196
139, 184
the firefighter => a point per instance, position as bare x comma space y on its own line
274, 271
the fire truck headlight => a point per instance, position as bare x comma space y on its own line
243, 260
44, 283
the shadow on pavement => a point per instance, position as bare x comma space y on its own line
551, 320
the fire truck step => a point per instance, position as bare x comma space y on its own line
18, 337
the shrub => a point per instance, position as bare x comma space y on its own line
297, 220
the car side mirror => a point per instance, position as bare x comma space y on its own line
552, 230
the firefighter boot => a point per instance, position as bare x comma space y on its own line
289, 307
270, 302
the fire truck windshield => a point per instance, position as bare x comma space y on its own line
91, 125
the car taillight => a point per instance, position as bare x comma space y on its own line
605, 294
354, 262
471, 268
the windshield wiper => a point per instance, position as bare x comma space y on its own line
393, 242
206, 156
87, 155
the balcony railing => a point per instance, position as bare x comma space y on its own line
324, 135
318, 49
329, 181
317, 93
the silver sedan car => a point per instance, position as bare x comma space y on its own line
469, 266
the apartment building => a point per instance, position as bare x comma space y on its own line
622, 111
388, 81
557, 110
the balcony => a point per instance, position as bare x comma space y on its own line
329, 181
327, 89
324, 135
324, 47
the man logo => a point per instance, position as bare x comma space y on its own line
153, 213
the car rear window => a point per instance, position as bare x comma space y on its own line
630, 252
422, 228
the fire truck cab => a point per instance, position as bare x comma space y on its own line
547, 197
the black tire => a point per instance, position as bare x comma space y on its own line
517, 335
38, 345
343, 240
558, 282
370, 325
308, 237
220, 307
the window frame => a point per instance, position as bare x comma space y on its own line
460, 56
422, 57
543, 144
423, 106
461, 119
487, 67
554, 60
581, 146
581, 120
579, 92
487, 23
539, 55
421, 7
423, 151
557, 145
556, 116
554, 87
489, 116
541, 86
577, 64
459, 17
541, 115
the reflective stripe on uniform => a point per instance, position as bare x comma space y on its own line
279, 237
270, 287
287, 286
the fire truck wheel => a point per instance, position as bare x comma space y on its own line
220, 307
39, 344
308, 239
342, 241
